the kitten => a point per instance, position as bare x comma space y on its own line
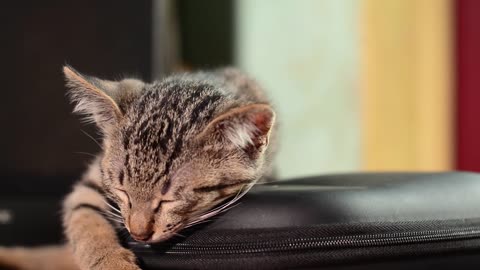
172, 150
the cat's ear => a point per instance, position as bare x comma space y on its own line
246, 127
93, 97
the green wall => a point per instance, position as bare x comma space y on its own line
305, 52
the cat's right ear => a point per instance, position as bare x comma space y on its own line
247, 128
91, 99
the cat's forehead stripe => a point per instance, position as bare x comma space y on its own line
180, 140
159, 124
121, 177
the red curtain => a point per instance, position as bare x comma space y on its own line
468, 84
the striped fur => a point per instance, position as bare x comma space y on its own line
172, 150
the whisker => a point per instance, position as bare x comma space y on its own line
91, 137
239, 195
114, 219
271, 181
197, 222
85, 153
110, 214
113, 214
224, 207
221, 206
230, 207
113, 207
181, 235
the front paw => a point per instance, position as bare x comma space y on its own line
116, 259
9, 259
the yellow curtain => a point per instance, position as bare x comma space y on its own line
406, 84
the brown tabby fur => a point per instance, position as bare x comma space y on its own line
171, 151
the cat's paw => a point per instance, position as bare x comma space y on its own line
9, 259
116, 259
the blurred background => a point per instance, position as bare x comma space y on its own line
359, 85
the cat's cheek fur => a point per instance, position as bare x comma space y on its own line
167, 222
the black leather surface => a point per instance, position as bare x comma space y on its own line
353, 198
331, 206
316, 201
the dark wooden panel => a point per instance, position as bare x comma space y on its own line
108, 38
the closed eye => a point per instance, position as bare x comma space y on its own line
124, 196
205, 189
159, 205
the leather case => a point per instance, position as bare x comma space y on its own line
354, 221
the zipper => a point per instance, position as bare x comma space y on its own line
322, 243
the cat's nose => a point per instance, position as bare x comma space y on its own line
141, 226
145, 236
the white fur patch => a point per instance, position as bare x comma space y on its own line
94, 110
241, 134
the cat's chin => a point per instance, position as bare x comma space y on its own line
157, 238
160, 238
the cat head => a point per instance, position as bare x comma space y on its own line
172, 150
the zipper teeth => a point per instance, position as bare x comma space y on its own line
327, 242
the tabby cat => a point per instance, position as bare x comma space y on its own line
172, 152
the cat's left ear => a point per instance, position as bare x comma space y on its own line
247, 128
94, 98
